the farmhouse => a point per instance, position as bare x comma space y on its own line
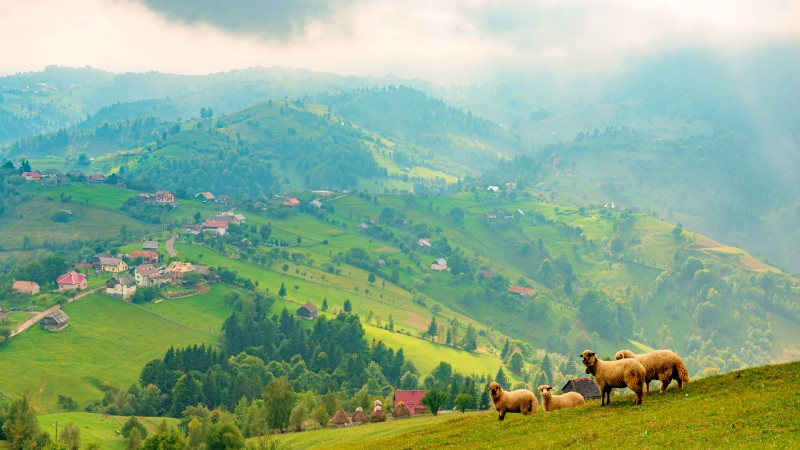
147, 275
412, 400
146, 255
362, 227
307, 311
26, 287
31, 176
122, 286
111, 265
150, 245
55, 321
439, 264
424, 242
291, 202
216, 226
71, 281
584, 386
315, 203
493, 188
204, 196
97, 178
522, 291
178, 269
162, 197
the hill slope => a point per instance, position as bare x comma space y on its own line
744, 409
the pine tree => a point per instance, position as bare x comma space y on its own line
433, 328
501, 378
282, 291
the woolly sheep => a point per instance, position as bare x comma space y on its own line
662, 365
615, 374
517, 401
552, 402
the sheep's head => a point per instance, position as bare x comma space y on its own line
624, 354
589, 359
545, 390
495, 390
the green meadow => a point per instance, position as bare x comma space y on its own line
107, 341
745, 409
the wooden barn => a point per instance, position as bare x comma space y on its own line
584, 386
55, 321
307, 311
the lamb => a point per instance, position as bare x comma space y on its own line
518, 401
552, 402
663, 365
621, 373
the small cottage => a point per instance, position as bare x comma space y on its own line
72, 281
439, 264
307, 311
26, 287
584, 386
147, 275
55, 321
150, 245
122, 286
292, 202
112, 265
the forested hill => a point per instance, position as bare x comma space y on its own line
401, 112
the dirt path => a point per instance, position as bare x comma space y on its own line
171, 246
35, 319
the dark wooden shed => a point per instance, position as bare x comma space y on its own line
307, 311
55, 321
584, 386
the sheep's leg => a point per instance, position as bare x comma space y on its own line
666, 379
502, 414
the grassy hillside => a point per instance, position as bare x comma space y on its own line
108, 341
745, 409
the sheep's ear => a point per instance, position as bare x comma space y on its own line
592, 354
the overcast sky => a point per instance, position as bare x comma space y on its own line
441, 40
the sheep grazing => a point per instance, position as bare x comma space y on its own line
552, 402
662, 365
518, 401
615, 374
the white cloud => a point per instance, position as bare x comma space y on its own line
444, 40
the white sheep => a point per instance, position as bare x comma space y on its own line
621, 373
552, 402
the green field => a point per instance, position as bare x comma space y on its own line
107, 341
744, 409
100, 428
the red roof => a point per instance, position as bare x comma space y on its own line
146, 254
412, 399
523, 291
25, 286
291, 202
71, 278
216, 224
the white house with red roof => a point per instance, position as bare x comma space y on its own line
71, 281
31, 176
216, 226
291, 201
26, 287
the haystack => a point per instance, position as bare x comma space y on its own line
359, 416
378, 415
341, 418
400, 410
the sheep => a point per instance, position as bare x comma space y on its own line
615, 374
663, 365
518, 401
552, 402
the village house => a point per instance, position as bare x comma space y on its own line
493, 188
424, 242
523, 292
307, 311
439, 264
362, 227
177, 270
72, 281
412, 399
162, 197
315, 203
146, 255
150, 245
292, 202
122, 286
31, 176
26, 287
224, 199
146, 275
97, 178
205, 196
55, 321
111, 265
216, 226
